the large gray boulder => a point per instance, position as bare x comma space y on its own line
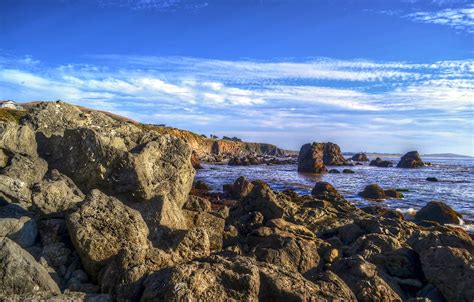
102, 226
14, 190
314, 157
20, 273
27, 169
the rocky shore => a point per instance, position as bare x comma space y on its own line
95, 208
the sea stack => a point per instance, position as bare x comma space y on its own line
411, 160
314, 157
360, 157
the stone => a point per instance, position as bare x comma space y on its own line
197, 204
392, 193
366, 281
313, 157
451, 270
264, 200
439, 212
432, 179
20, 273
348, 171
374, 192
27, 169
195, 161
334, 171
241, 188
411, 159
22, 230
17, 139
383, 212
378, 162
101, 227
56, 194
13, 190
213, 225
324, 190
360, 157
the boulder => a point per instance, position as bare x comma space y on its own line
383, 212
313, 157
392, 193
360, 157
241, 188
101, 227
432, 179
264, 200
14, 190
195, 161
237, 278
20, 273
451, 270
411, 160
366, 281
334, 171
374, 192
27, 169
348, 171
197, 204
213, 225
439, 212
324, 190
17, 139
55, 194
22, 230
378, 162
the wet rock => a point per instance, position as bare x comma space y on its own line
324, 190
439, 212
201, 186
392, 193
313, 157
20, 273
334, 171
241, 188
366, 281
348, 171
382, 212
360, 157
373, 191
101, 227
432, 179
410, 160
378, 162
22, 230
55, 194
451, 270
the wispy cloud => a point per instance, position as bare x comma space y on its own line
161, 5
461, 19
293, 100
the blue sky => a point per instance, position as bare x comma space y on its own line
388, 76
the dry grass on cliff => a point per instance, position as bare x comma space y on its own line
11, 115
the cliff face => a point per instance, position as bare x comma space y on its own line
207, 147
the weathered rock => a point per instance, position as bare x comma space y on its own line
402, 263
373, 191
195, 161
213, 225
14, 191
451, 270
201, 186
12, 210
53, 231
241, 188
423, 240
264, 200
360, 157
378, 162
392, 193
334, 171
237, 278
197, 204
102, 226
439, 212
27, 169
371, 245
411, 160
366, 281
20, 273
383, 212
22, 230
313, 157
324, 190
348, 171
56, 194
17, 139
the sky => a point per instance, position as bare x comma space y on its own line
375, 76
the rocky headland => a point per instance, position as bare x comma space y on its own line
98, 208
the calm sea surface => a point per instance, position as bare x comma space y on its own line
455, 186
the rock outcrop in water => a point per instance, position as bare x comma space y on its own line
411, 160
103, 213
314, 158
378, 162
360, 157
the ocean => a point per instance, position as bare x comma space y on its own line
455, 186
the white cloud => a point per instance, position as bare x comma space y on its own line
461, 19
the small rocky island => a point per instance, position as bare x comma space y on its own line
95, 207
